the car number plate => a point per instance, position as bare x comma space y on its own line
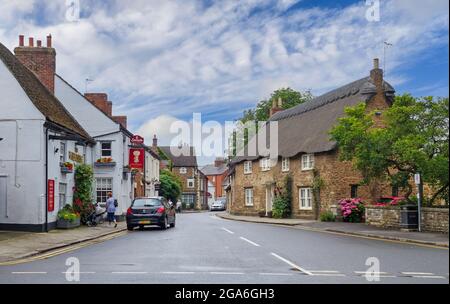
145, 222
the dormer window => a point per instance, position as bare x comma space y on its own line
247, 167
307, 162
183, 170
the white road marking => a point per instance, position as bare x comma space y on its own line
418, 273
429, 277
228, 273
28, 272
276, 274
129, 272
83, 272
248, 241
291, 264
229, 231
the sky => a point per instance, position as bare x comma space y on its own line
161, 61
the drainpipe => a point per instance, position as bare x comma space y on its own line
46, 180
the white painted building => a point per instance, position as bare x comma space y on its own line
113, 141
37, 135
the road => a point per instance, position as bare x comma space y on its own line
206, 249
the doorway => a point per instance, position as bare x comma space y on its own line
269, 198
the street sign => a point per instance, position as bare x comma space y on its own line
51, 195
136, 139
417, 179
136, 160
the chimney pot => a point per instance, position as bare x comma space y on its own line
49, 41
39, 43
31, 42
376, 63
21, 40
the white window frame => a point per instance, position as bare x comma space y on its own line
104, 185
191, 183
249, 198
248, 166
265, 164
305, 198
308, 162
285, 164
62, 151
183, 170
102, 149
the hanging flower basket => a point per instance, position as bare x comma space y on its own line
67, 167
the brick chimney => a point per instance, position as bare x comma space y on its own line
277, 106
120, 120
377, 75
100, 100
40, 60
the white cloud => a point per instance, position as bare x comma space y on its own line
159, 58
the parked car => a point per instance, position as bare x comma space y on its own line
218, 205
151, 211
390, 201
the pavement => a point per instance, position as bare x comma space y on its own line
356, 229
20, 245
206, 249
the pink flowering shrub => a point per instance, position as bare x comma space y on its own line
352, 209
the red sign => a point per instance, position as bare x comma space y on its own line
136, 139
136, 160
51, 195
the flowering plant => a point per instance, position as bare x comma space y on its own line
105, 160
352, 210
68, 165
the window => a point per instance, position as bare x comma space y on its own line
183, 170
103, 186
307, 161
62, 152
306, 198
106, 149
62, 195
395, 191
190, 183
249, 197
248, 167
354, 191
265, 164
188, 199
285, 164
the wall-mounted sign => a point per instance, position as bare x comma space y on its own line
136, 160
136, 139
51, 195
76, 157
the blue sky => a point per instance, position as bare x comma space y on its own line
163, 60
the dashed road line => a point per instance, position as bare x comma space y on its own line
428, 277
229, 231
28, 272
250, 242
291, 264
418, 273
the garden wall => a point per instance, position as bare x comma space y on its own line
433, 219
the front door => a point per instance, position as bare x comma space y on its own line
269, 198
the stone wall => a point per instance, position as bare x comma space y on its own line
433, 219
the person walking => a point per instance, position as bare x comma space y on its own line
111, 205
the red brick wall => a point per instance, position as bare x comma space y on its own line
100, 100
41, 61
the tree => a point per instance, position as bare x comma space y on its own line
414, 139
171, 185
290, 98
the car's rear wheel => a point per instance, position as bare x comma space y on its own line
164, 224
130, 228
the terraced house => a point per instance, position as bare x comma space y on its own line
319, 178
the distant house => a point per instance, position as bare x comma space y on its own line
184, 165
308, 155
40, 141
216, 174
